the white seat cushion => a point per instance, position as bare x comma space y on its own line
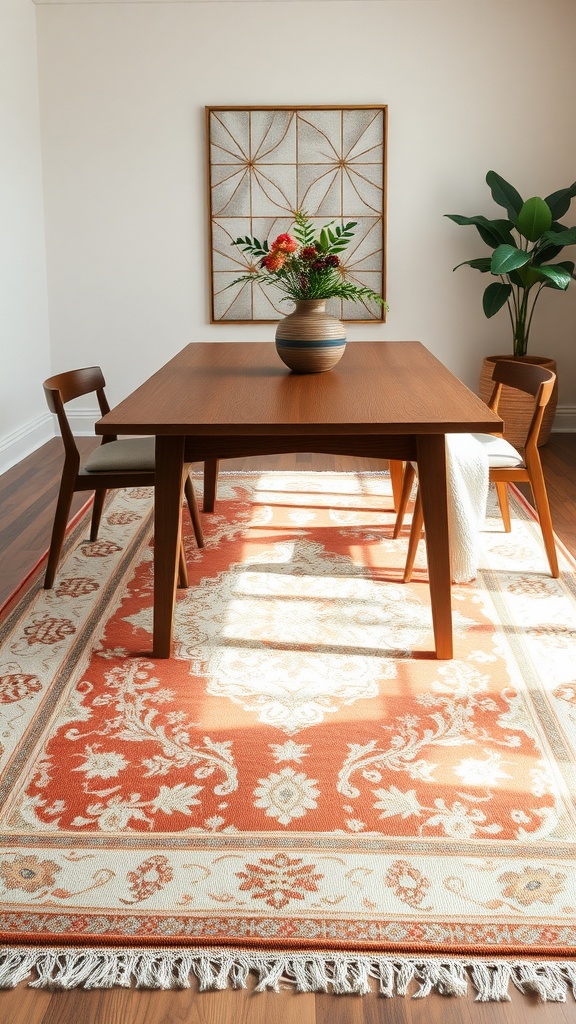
501, 454
129, 454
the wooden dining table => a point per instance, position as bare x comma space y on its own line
385, 399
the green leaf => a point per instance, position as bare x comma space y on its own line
534, 218
519, 277
507, 257
525, 277
494, 297
566, 236
559, 202
555, 276
504, 194
492, 232
323, 240
483, 264
545, 254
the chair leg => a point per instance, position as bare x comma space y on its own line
396, 467
502, 493
194, 510
211, 467
182, 568
407, 481
543, 509
61, 517
415, 531
97, 509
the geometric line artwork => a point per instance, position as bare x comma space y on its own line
264, 164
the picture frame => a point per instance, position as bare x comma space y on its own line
263, 164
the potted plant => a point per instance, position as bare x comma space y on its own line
525, 246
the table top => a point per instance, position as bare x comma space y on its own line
223, 388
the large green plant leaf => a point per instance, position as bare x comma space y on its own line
565, 236
526, 277
494, 297
534, 218
504, 194
492, 232
559, 202
545, 254
507, 257
483, 264
520, 277
555, 275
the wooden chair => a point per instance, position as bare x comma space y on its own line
506, 464
125, 463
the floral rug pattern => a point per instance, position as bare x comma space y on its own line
303, 773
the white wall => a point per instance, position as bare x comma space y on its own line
24, 343
470, 86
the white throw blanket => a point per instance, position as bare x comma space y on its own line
467, 485
467, 476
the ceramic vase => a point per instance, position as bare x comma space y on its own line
309, 340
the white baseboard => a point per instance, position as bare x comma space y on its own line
22, 442
16, 446
564, 420
82, 422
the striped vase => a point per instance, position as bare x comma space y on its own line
309, 340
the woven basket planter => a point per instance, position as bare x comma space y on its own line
515, 407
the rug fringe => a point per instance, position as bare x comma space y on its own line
339, 973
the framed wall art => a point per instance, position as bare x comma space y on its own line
265, 163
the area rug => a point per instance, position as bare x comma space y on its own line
303, 791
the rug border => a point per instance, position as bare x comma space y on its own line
5, 607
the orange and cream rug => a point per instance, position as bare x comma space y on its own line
303, 790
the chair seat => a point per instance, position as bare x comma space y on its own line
128, 455
501, 454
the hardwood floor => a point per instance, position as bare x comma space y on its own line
27, 499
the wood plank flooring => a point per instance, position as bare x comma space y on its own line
27, 500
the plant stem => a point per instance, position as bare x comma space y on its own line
520, 331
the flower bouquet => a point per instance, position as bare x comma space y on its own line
305, 267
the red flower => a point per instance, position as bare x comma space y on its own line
309, 252
284, 243
274, 260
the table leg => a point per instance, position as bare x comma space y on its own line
431, 457
168, 493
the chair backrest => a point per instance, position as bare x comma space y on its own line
63, 388
532, 379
